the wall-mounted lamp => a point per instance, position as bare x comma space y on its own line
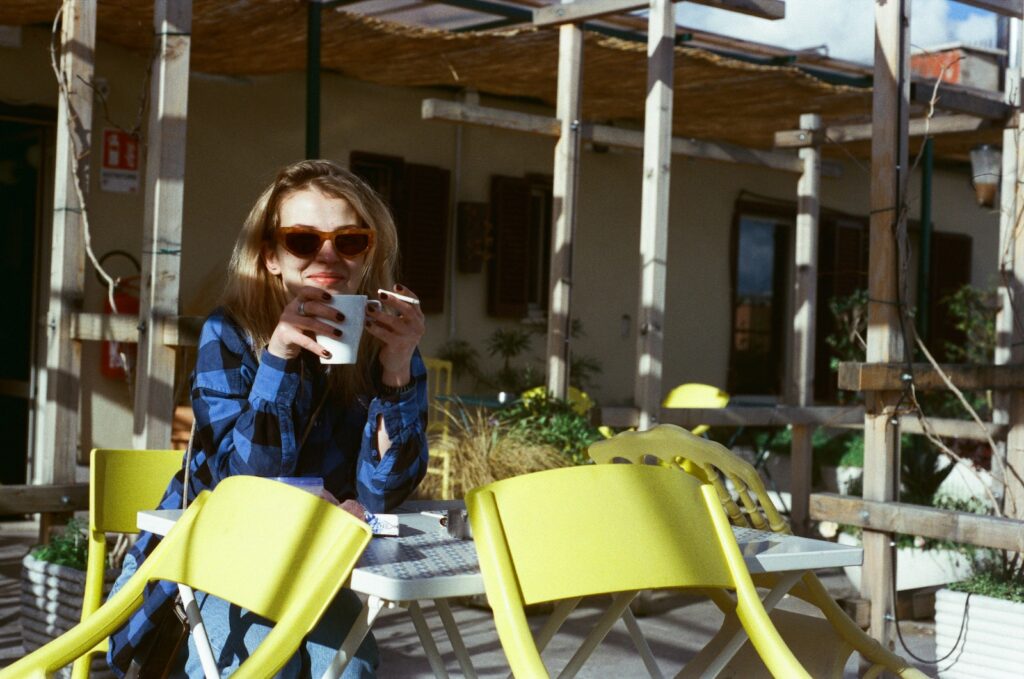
986, 167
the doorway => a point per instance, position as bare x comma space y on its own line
23, 150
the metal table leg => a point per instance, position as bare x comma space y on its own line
360, 628
456, 638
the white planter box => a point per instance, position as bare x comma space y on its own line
992, 646
51, 604
917, 568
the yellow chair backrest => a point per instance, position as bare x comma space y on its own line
710, 461
305, 549
605, 529
439, 383
579, 400
121, 483
695, 395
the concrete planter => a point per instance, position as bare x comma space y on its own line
992, 645
916, 568
51, 604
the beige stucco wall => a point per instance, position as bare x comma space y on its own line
240, 130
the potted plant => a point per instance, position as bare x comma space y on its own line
52, 587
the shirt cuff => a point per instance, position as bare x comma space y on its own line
277, 379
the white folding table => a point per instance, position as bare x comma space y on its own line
425, 564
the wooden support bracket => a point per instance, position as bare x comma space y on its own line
582, 10
1006, 8
888, 376
841, 134
440, 109
961, 100
942, 524
51, 498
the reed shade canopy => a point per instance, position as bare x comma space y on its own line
716, 97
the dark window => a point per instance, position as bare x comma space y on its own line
950, 270
418, 196
518, 272
758, 341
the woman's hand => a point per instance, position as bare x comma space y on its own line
399, 332
351, 506
295, 331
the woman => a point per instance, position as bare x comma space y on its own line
265, 406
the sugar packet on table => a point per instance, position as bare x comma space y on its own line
382, 524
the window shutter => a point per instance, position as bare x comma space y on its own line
950, 270
508, 282
423, 234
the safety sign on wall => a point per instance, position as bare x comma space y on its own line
119, 171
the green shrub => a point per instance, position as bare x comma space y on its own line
67, 548
550, 421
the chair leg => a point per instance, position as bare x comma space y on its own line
641, 644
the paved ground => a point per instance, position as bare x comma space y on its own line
675, 633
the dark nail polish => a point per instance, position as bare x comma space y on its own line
327, 297
368, 322
337, 333
383, 295
398, 286
327, 354
370, 309
339, 316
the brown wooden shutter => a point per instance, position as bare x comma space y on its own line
508, 271
950, 270
383, 173
423, 234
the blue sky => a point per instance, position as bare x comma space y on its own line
846, 26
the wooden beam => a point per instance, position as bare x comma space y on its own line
654, 202
59, 498
890, 108
565, 191
888, 376
941, 524
961, 100
179, 331
766, 416
842, 134
440, 109
59, 388
1006, 8
161, 249
582, 10
957, 429
805, 295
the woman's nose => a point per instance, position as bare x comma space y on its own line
327, 251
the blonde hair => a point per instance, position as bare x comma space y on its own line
255, 298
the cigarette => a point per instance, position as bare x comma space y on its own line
434, 515
404, 298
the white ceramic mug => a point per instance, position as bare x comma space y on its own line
344, 349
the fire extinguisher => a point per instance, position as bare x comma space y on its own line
126, 297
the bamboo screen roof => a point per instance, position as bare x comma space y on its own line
716, 98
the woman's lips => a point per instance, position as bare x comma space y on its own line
326, 279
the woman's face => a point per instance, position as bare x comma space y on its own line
326, 269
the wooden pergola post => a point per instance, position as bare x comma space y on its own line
654, 210
885, 343
805, 299
161, 243
1008, 464
564, 203
58, 393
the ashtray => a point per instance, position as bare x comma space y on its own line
457, 523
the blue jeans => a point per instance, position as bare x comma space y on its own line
235, 632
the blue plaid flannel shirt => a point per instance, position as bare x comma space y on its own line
250, 418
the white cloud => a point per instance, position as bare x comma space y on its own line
845, 26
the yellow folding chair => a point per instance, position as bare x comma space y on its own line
439, 384
689, 395
696, 395
121, 483
823, 649
305, 547
564, 534
579, 400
